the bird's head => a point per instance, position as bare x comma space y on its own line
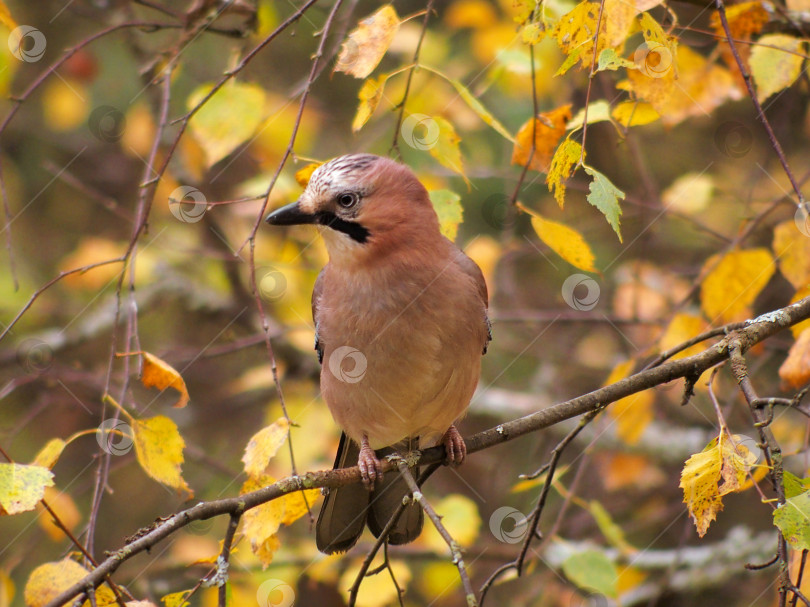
366, 205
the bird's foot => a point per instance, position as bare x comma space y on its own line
370, 466
454, 446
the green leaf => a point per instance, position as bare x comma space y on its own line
605, 196
793, 520
476, 106
227, 119
593, 571
609, 60
598, 111
479, 109
448, 207
570, 61
794, 485
612, 532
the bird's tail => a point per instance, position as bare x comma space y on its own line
386, 498
346, 509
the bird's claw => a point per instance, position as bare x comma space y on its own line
370, 466
454, 446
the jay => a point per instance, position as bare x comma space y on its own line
400, 326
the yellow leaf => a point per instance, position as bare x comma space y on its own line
618, 16
267, 549
64, 507
7, 20
7, 589
566, 242
438, 578
470, 13
734, 283
776, 62
576, 30
49, 454
461, 519
445, 149
695, 88
376, 590
161, 375
567, 155
634, 113
49, 580
22, 486
370, 94
699, 479
546, 128
631, 414
261, 523
366, 45
176, 599
302, 176
228, 119
264, 445
159, 449
447, 205
64, 104
629, 578
681, 328
298, 504
792, 250
795, 371
137, 138
721, 468
689, 193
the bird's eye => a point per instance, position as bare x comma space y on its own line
348, 200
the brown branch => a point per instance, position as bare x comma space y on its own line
455, 550
770, 448
721, 10
224, 558
754, 332
415, 63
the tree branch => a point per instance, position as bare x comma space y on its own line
741, 340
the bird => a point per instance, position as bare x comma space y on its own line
401, 323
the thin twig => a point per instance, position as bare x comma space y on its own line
455, 550
721, 11
415, 63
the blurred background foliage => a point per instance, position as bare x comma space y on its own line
73, 159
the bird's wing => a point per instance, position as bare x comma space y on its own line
471, 269
316, 297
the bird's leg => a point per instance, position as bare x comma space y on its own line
454, 446
370, 466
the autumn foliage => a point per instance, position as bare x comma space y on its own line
631, 178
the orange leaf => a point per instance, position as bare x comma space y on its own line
547, 129
795, 371
159, 374
302, 176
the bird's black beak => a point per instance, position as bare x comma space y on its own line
290, 215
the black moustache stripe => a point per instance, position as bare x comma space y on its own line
355, 231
